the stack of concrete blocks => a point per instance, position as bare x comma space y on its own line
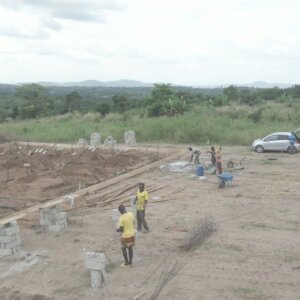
115, 215
110, 141
129, 137
53, 219
82, 142
95, 139
10, 241
95, 262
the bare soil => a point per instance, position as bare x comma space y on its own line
31, 175
253, 254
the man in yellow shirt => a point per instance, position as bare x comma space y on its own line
126, 227
141, 201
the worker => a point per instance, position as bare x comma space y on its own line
126, 227
141, 201
219, 166
195, 153
218, 156
292, 140
213, 155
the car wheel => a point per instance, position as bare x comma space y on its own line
291, 150
259, 149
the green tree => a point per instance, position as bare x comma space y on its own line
250, 98
232, 93
103, 109
161, 92
73, 101
121, 103
35, 101
164, 102
2, 115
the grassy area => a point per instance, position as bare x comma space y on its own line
237, 125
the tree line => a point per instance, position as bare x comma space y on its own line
34, 101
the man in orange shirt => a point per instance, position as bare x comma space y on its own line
126, 227
141, 201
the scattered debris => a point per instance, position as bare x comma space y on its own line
236, 166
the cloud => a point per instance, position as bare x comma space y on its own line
82, 11
50, 23
39, 34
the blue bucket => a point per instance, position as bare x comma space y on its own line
199, 170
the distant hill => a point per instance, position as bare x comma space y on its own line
96, 83
267, 85
255, 84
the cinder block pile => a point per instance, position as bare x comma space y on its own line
95, 262
129, 137
110, 141
95, 139
10, 241
53, 219
82, 142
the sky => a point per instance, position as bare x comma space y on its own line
190, 42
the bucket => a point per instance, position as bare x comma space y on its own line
200, 170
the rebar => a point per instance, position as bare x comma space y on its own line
200, 231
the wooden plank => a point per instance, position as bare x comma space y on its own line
20, 214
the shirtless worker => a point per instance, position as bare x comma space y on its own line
195, 153
126, 227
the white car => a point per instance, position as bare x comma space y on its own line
278, 141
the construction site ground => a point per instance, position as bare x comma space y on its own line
253, 254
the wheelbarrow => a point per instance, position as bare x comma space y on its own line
224, 178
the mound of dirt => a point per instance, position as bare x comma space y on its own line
6, 138
31, 175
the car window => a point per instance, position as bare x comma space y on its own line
283, 137
271, 138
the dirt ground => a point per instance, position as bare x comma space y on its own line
253, 254
31, 175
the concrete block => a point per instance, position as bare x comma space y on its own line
61, 221
13, 224
11, 230
95, 261
54, 210
16, 250
8, 238
54, 228
64, 226
96, 279
5, 252
129, 137
110, 141
16, 242
54, 217
44, 222
95, 139
57, 227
